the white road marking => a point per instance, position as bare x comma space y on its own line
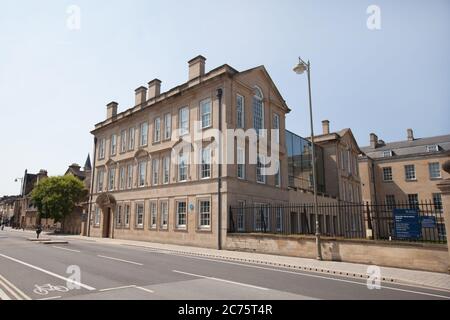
117, 288
145, 289
127, 287
121, 260
3, 295
311, 275
49, 273
13, 289
71, 250
221, 280
51, 298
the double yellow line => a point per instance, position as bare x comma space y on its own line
8, 291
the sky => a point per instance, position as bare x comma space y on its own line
57, 75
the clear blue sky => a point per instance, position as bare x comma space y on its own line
54, 82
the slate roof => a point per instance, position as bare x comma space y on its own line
410, 148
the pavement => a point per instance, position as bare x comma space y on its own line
103, 269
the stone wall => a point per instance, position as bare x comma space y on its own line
427, 257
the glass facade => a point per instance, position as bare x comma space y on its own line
300, 163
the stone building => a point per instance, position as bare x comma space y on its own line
72, 223
406, 171
147, 184
26, 213
8, 205
340, 153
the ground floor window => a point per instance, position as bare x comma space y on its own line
205, 214
261, 217
126, 217
164, 215
153, 214
140, 215
181, 214
241, 216
97, 216
279, 218
119, 216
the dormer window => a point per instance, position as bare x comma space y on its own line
387, 153
433, 148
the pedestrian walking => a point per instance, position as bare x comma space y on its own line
38, 230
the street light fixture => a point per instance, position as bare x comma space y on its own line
21, 184
301, 68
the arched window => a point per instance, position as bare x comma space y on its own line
258, 110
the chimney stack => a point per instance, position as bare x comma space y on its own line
41, 175
410, 135
326, 127
111, 110
373, 140
141, 95
154, 88
196, 67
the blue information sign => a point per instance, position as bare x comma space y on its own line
429, 222
407, 224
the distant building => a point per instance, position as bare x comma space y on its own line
26, 213
406, 171
8, 205
72, 224
339, 154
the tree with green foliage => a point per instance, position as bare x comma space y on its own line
56, 197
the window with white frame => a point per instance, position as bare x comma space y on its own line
390, 201
260, 170
433, 148
240, 112
205, 113
140, 211
261, 217
157, 131
435, 170
123, 141
241, 163
167, 126
182, 166
410, 172
166, 170
387, 174
131, 136
119, 216
126, 218
258, 111
183, 123
113, 145
153, 214
204, 214
155, 172
164, 214
206, 163
142, 173
276, 127
143, 134
241, 216
413, 200
278, 175
111, 178
100, 179
101, 149
97, 216
130, 176
279, 218
387, 153
122, 178
437, 202
181, 214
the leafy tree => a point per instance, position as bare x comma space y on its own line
56, 197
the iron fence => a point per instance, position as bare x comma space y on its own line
342, 219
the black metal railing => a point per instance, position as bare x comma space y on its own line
343, 220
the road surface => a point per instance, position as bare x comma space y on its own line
37, 271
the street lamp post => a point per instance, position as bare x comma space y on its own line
300, 68
21, 184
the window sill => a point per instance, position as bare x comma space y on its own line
436, 179
411, 180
